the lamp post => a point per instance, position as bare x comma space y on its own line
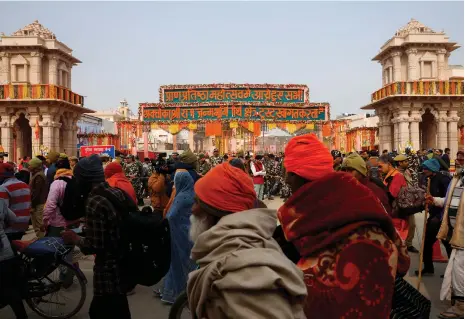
263, 136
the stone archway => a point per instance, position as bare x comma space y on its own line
23, 132
428, 130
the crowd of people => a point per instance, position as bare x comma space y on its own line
345, 228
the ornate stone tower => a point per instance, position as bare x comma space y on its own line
38, 110
421, 95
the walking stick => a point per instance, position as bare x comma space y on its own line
420, 267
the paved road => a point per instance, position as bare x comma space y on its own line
144, 305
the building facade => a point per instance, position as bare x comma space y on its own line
38, 110
422, 94
89, 124
356, 132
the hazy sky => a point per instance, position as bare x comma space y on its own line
129, 49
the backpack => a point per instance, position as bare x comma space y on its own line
72, 206
145, 244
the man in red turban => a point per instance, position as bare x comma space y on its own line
237, 255
350, 251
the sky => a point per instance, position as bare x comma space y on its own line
129, 49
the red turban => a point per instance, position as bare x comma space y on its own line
226, 188
307, 157
112, 169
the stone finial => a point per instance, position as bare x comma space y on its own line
414, 27
35, 29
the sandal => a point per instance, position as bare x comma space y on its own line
450, 315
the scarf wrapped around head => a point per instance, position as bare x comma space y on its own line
90, 169
187, 157
35, 163
324, 212
226, 188
432, 165
53, 156
112, 169
307, 157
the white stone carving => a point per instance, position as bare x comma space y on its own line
35, 29
414, 27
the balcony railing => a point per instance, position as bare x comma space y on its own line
39, 92
428, 88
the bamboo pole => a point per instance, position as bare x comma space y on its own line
420, 265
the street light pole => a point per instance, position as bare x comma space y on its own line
263, 137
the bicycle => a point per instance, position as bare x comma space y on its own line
180, 308
43, 265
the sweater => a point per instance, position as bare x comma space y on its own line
6, 217
18, 198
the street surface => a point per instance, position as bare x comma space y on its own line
144, 305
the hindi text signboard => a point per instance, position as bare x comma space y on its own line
98, 149
211, 95
234, 113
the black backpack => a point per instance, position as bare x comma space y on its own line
145, 248
72, 206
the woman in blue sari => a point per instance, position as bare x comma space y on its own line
181, 245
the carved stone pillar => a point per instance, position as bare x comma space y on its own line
395, 127
412, 65
190, 139
5, 67
441, 65
442, 129
69, 77
452, 140
69, 140
404, 134
56, 138
7, 135
396, 66
36, 67
13, 73
53, 69
415, 119
48, 132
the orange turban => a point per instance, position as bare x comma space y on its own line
226, 188
112, 169
307, 157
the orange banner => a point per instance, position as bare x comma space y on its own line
213, 129
257, 129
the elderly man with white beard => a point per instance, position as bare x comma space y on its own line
242, 271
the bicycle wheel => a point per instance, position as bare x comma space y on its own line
50, 299
180, 308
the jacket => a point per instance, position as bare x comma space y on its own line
457, 235
51, 171
243, 272
157, 189
38, 185
258, 172
52, 213
438, 188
